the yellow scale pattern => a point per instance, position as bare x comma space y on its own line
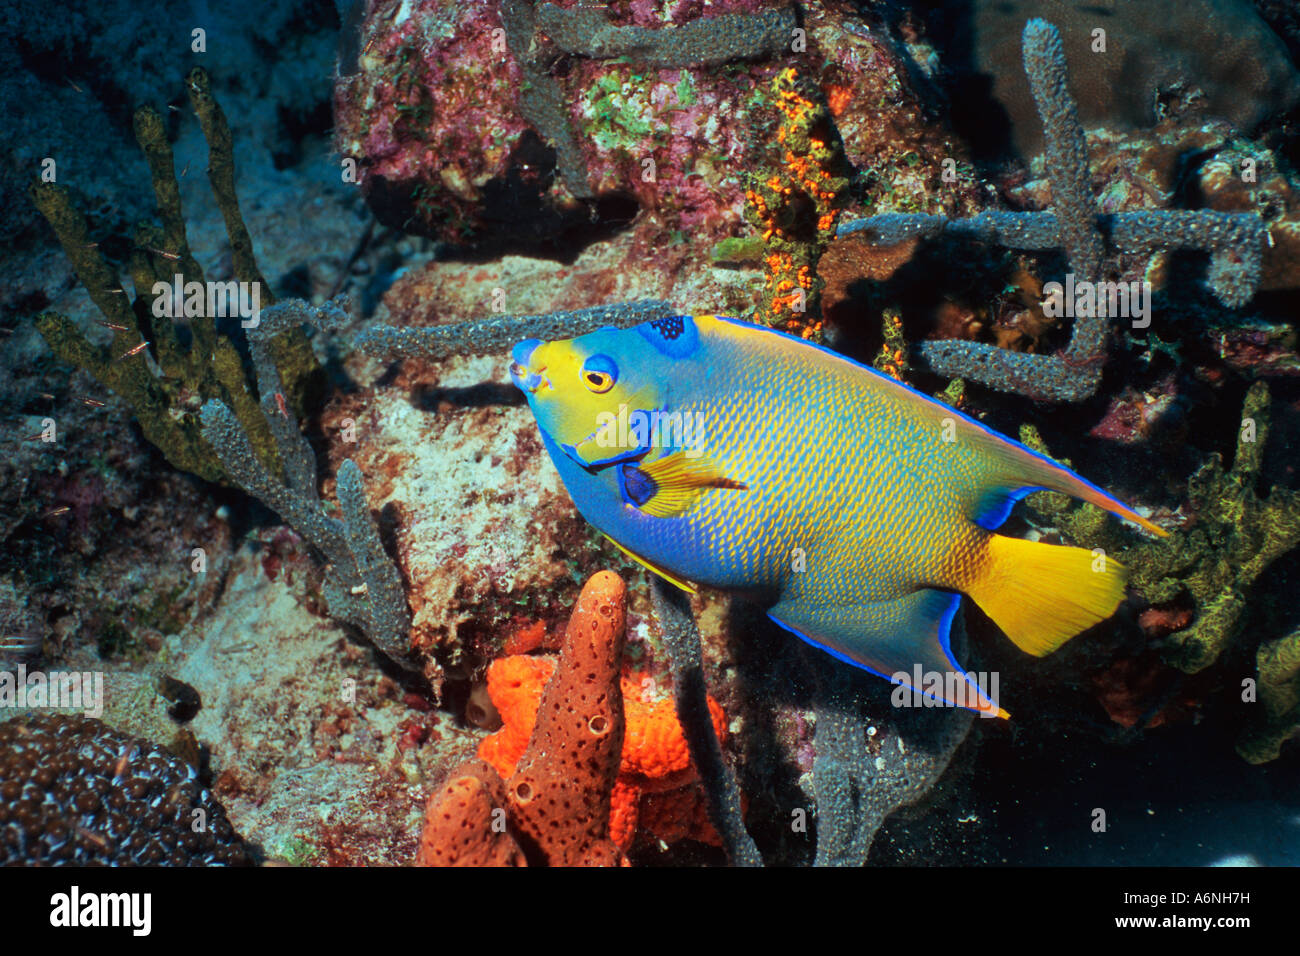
848, 466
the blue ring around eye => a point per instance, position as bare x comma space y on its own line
604, 365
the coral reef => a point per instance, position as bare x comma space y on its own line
445, 436
1284, 18
868, 767
557, 801
362, 587
1278, 662
559, 141
1215, 561
1241, 534
1266, 191
682, 638
458, 823
1143, 692
99, 530
75, 792
452, 150
541, 98
210, 368
318, 753
619, 140
892, 358
74, 78
1235, 240
455, 338
385, 105
500, 333
709, 40
559, 794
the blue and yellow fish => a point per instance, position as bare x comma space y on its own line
727, 454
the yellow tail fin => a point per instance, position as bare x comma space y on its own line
1042, 595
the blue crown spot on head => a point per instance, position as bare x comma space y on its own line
669, 328
676, 336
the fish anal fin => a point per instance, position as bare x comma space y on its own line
654, 568
892, 639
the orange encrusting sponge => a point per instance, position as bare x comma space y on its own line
657, 793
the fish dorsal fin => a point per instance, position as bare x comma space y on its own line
670, 578
1014, 471
670, 485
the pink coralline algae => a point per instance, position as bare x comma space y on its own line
431, 113
483, 122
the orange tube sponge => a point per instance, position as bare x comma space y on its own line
558, 750
458, 822
656, 794
559, 795
583, 766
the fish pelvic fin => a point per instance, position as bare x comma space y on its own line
670, 486
905, 641
656, 569
1041, 595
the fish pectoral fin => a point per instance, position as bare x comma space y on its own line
649, 566
670, 485
892, 639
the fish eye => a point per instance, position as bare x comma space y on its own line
599, 373
598, 381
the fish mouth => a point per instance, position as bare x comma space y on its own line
528, 380
522, 374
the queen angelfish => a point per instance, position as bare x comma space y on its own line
730, 455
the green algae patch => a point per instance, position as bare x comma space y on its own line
1279, 696
1238, 534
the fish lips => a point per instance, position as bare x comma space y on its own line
594, 455
524, 378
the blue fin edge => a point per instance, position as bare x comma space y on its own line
999, 506
945, 628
